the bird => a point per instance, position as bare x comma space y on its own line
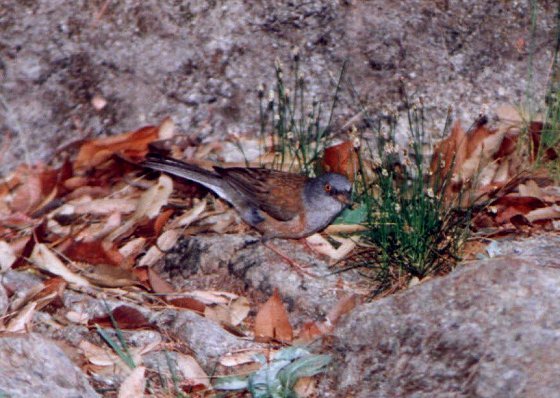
277, 204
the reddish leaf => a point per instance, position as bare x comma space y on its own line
93, 253
158, 284
272, 323
125, 317
51, 293
342, 159
188, 303
309, 332
519, 221
132, 144
150, 228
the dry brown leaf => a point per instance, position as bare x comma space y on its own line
133, 247
334, 229
192, 372
272, 323
126, 317
342, 307
309, 332
188, 303
28, 192
189, 216
321, 245
306, 387
530, 188
134, 384
166, 129
53, 290
341, 159
113, 364
103, 357
101, 207
158, 284
546, 213
239, 358
97, 252
109, 275
149, 205
232, 313
79, 318
132, 144
165, 242
21, 322
45, 259
7, 256
451, 151
210, 297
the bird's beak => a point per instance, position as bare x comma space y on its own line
344, 198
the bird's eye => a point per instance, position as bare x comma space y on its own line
328, 187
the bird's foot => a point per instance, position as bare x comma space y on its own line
298, 267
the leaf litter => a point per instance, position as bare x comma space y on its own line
98, 224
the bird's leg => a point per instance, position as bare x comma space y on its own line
299, 268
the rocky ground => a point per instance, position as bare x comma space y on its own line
202, 61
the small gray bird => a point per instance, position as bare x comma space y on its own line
277, 204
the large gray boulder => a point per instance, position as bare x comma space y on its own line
202, 61
490, 329
32, 366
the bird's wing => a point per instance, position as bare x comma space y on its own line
277, 193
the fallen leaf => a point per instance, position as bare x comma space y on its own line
239, 358
546, 213
96, 252
158, 284
133, 144
309, 332
188, 303
189, 216
108, 275
149, 205
210, 297
134, 384
7, 256
272, 323
323, 246
530, 188
165, 242
232, 313
48, 261
21, 322
103, 206
53, 290
191, 371
125, 317
342, 307
133, 247
341, 159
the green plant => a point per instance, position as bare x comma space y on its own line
415, 224
277, 377
549, 147
295, 125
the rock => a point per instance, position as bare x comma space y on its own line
237, 261
208, 340
201, 62
33, 366
489, 329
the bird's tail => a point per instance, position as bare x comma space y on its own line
184, 170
